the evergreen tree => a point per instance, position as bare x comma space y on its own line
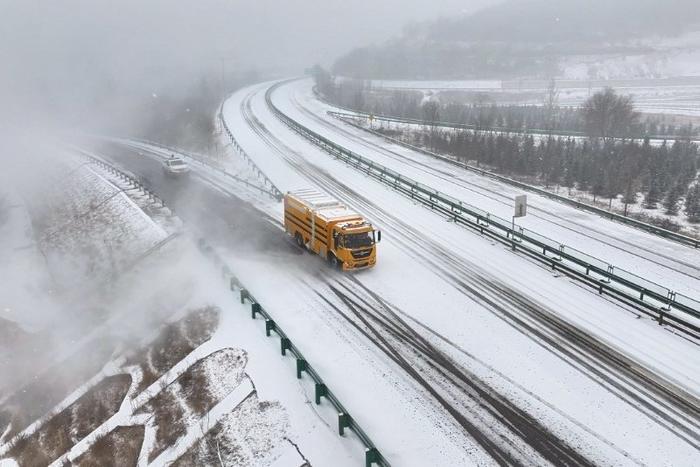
692, 203
671, 200
653, 194
598, 187
630, 195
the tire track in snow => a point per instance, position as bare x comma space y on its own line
660, 400
553, 343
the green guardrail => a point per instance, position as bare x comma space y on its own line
647, 296
661, 232
345, 421
321, 390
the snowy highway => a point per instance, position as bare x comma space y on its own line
657, 260
453, 350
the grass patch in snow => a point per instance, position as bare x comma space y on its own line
209, 380
50, 387
58, 435
120, 447
193, 395
252, 434
169, 420
174, 343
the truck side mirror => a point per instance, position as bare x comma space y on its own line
379, 236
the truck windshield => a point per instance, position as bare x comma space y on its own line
359, 240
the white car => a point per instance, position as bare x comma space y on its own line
175, 166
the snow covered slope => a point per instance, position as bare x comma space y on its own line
159, 364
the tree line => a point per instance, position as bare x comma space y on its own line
664, 174
604, 164
480, 114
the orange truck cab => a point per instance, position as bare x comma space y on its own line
328, 228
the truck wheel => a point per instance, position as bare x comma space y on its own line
333, 261
299, 240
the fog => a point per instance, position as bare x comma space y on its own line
73, 69
68, 58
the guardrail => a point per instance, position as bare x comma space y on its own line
653, 299
273, 193
123, 176
498, 129
136, 184
237, 147
675, 236
503, 129
321, 390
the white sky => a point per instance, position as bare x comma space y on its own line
55, 51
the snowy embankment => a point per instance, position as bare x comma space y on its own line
24, 278
153, 362
441, 278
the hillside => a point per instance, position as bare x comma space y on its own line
537, 38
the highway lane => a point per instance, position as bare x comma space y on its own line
226, 220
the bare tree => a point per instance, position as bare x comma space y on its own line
431, 117
325, 83
551, 103
608, 115
630, 195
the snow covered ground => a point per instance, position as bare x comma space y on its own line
24, 277
260, 414
474, 300
677, 97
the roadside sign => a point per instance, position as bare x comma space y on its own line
520, 206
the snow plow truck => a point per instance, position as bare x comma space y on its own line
328, 228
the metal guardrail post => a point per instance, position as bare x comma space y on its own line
301, 367
320, 390
344, 421
254, 309
371, 456
285, 344
269, 327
